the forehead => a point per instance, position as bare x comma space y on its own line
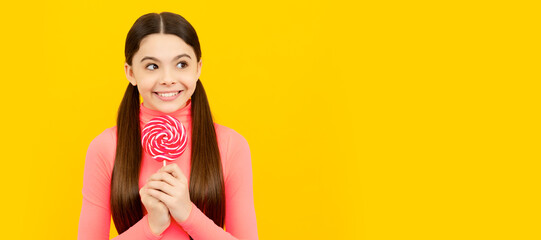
163, 46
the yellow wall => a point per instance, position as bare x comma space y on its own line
371, 120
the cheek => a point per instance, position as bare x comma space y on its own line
188, 79
193, 85
144, 89
146, 84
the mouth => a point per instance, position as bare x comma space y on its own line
167, 96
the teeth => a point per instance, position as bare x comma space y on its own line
168, 94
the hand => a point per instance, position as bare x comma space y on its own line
170, 186
158, 214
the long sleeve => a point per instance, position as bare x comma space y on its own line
95, 218
240, 218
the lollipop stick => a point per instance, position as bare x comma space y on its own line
164, 163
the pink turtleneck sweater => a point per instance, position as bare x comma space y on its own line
240, 219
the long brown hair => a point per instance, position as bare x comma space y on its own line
206, 179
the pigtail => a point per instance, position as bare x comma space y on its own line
126, 206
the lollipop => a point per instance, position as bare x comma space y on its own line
164, 138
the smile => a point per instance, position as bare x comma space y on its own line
167, 96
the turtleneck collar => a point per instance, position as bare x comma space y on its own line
184, 114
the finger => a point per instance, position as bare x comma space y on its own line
165, 177
161, 196
174, 170
161, 186
143, 192
144, 195
171, 169
147, 200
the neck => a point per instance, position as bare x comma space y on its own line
184, 114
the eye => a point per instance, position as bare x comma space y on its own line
152, 66
182, 65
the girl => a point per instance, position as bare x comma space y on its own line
206, 189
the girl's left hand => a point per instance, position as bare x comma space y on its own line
170, 186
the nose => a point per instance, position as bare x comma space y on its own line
167, 78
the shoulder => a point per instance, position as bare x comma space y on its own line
98, 167
230, 138
234, 151
105, 140
103, 148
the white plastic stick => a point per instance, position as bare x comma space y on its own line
164, 163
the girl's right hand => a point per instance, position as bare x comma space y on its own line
158, 214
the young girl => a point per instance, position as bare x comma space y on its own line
207, 188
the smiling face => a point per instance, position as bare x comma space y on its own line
165, 71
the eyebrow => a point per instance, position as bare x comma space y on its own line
175, 58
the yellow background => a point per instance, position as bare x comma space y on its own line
366, 119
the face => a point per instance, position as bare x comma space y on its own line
165, 71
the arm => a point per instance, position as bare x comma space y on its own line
95, 218
240, 218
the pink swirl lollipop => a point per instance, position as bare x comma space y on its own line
164, 138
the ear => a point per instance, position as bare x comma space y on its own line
129, 74
199, 64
